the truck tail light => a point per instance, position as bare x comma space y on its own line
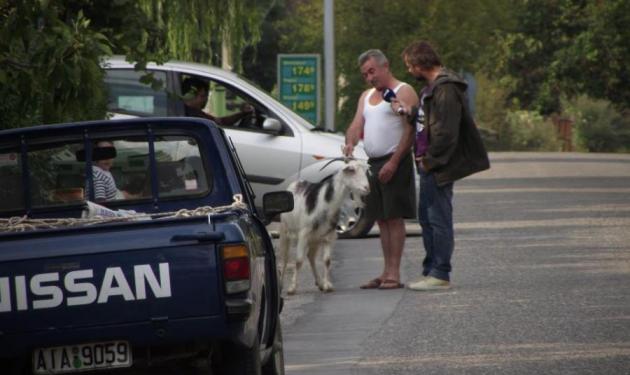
236, 270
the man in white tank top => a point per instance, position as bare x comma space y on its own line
387, 139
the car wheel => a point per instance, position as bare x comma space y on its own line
275, 364
353, 222
241, 361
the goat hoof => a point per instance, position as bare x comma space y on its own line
291, 291
327, 288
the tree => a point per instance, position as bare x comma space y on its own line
595, 62
462, 33
565, 48
49, 69
259, 60
197, 29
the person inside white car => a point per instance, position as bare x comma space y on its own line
195, 98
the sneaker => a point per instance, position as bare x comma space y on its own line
429, 283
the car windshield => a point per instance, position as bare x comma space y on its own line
294, 116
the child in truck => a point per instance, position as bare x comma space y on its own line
105, 188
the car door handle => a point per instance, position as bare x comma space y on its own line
199, 237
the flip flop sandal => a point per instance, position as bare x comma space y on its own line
391, 284
372, 284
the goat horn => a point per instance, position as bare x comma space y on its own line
345, 159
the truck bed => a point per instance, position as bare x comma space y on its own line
137, 278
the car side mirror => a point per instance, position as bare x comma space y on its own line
272, 125
277, 202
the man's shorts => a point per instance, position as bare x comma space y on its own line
395, 199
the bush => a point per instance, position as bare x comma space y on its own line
529, 131
598, 126
491, 113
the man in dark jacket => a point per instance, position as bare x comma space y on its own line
454, 151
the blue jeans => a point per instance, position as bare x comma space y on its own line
435, 214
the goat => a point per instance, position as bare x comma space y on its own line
312, 224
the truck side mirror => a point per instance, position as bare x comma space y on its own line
277, 202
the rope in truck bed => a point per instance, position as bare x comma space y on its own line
96, 214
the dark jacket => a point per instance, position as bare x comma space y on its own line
455, 146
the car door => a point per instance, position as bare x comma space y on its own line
269, 158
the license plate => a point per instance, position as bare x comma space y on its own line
82, 357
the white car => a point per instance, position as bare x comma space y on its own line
275, 145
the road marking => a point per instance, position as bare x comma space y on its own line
542, 190
535, 352
564, 222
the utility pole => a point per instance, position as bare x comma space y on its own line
329, 65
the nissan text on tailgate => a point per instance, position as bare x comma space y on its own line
134, 245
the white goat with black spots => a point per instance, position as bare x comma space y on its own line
312, 224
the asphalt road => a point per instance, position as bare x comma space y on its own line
541, 282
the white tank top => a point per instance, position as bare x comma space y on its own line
383, 127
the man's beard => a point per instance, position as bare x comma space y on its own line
420, 78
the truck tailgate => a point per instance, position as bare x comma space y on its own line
107, 275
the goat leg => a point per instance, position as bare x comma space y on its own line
299, 260
283, 250
312, 254
327, 286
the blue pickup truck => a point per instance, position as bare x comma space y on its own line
134, 245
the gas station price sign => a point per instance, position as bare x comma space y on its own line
298, 83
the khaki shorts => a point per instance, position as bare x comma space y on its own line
395, 199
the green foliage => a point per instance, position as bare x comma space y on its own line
565, 48
595, 61
49, 69
51, 51
492, 112
529, 131
129, 26
462, 31
524, 55
196, 29
597, 125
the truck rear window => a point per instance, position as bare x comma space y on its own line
11, 190
120, 170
